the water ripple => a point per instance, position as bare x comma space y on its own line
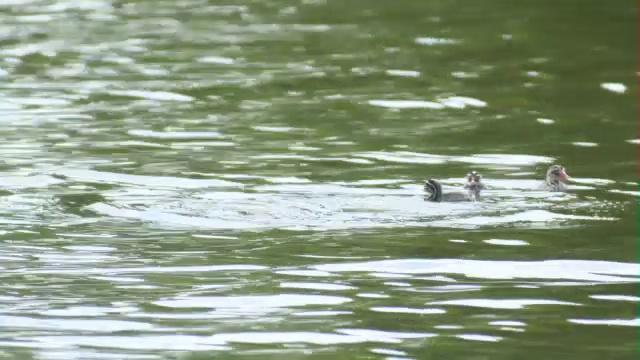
579, 270
182, 179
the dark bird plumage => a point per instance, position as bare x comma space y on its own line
473, 186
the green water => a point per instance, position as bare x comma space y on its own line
196, 180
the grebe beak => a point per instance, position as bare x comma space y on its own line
562, 175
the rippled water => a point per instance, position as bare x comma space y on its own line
186, 180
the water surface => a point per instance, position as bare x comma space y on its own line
189, 179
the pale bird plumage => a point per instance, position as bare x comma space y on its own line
556, 178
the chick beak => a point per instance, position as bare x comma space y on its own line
562, 175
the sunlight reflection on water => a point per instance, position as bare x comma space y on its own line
181, 177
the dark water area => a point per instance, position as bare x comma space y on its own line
196, 179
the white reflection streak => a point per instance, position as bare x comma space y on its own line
578, 270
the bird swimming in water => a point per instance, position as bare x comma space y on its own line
556, 178
473, 186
